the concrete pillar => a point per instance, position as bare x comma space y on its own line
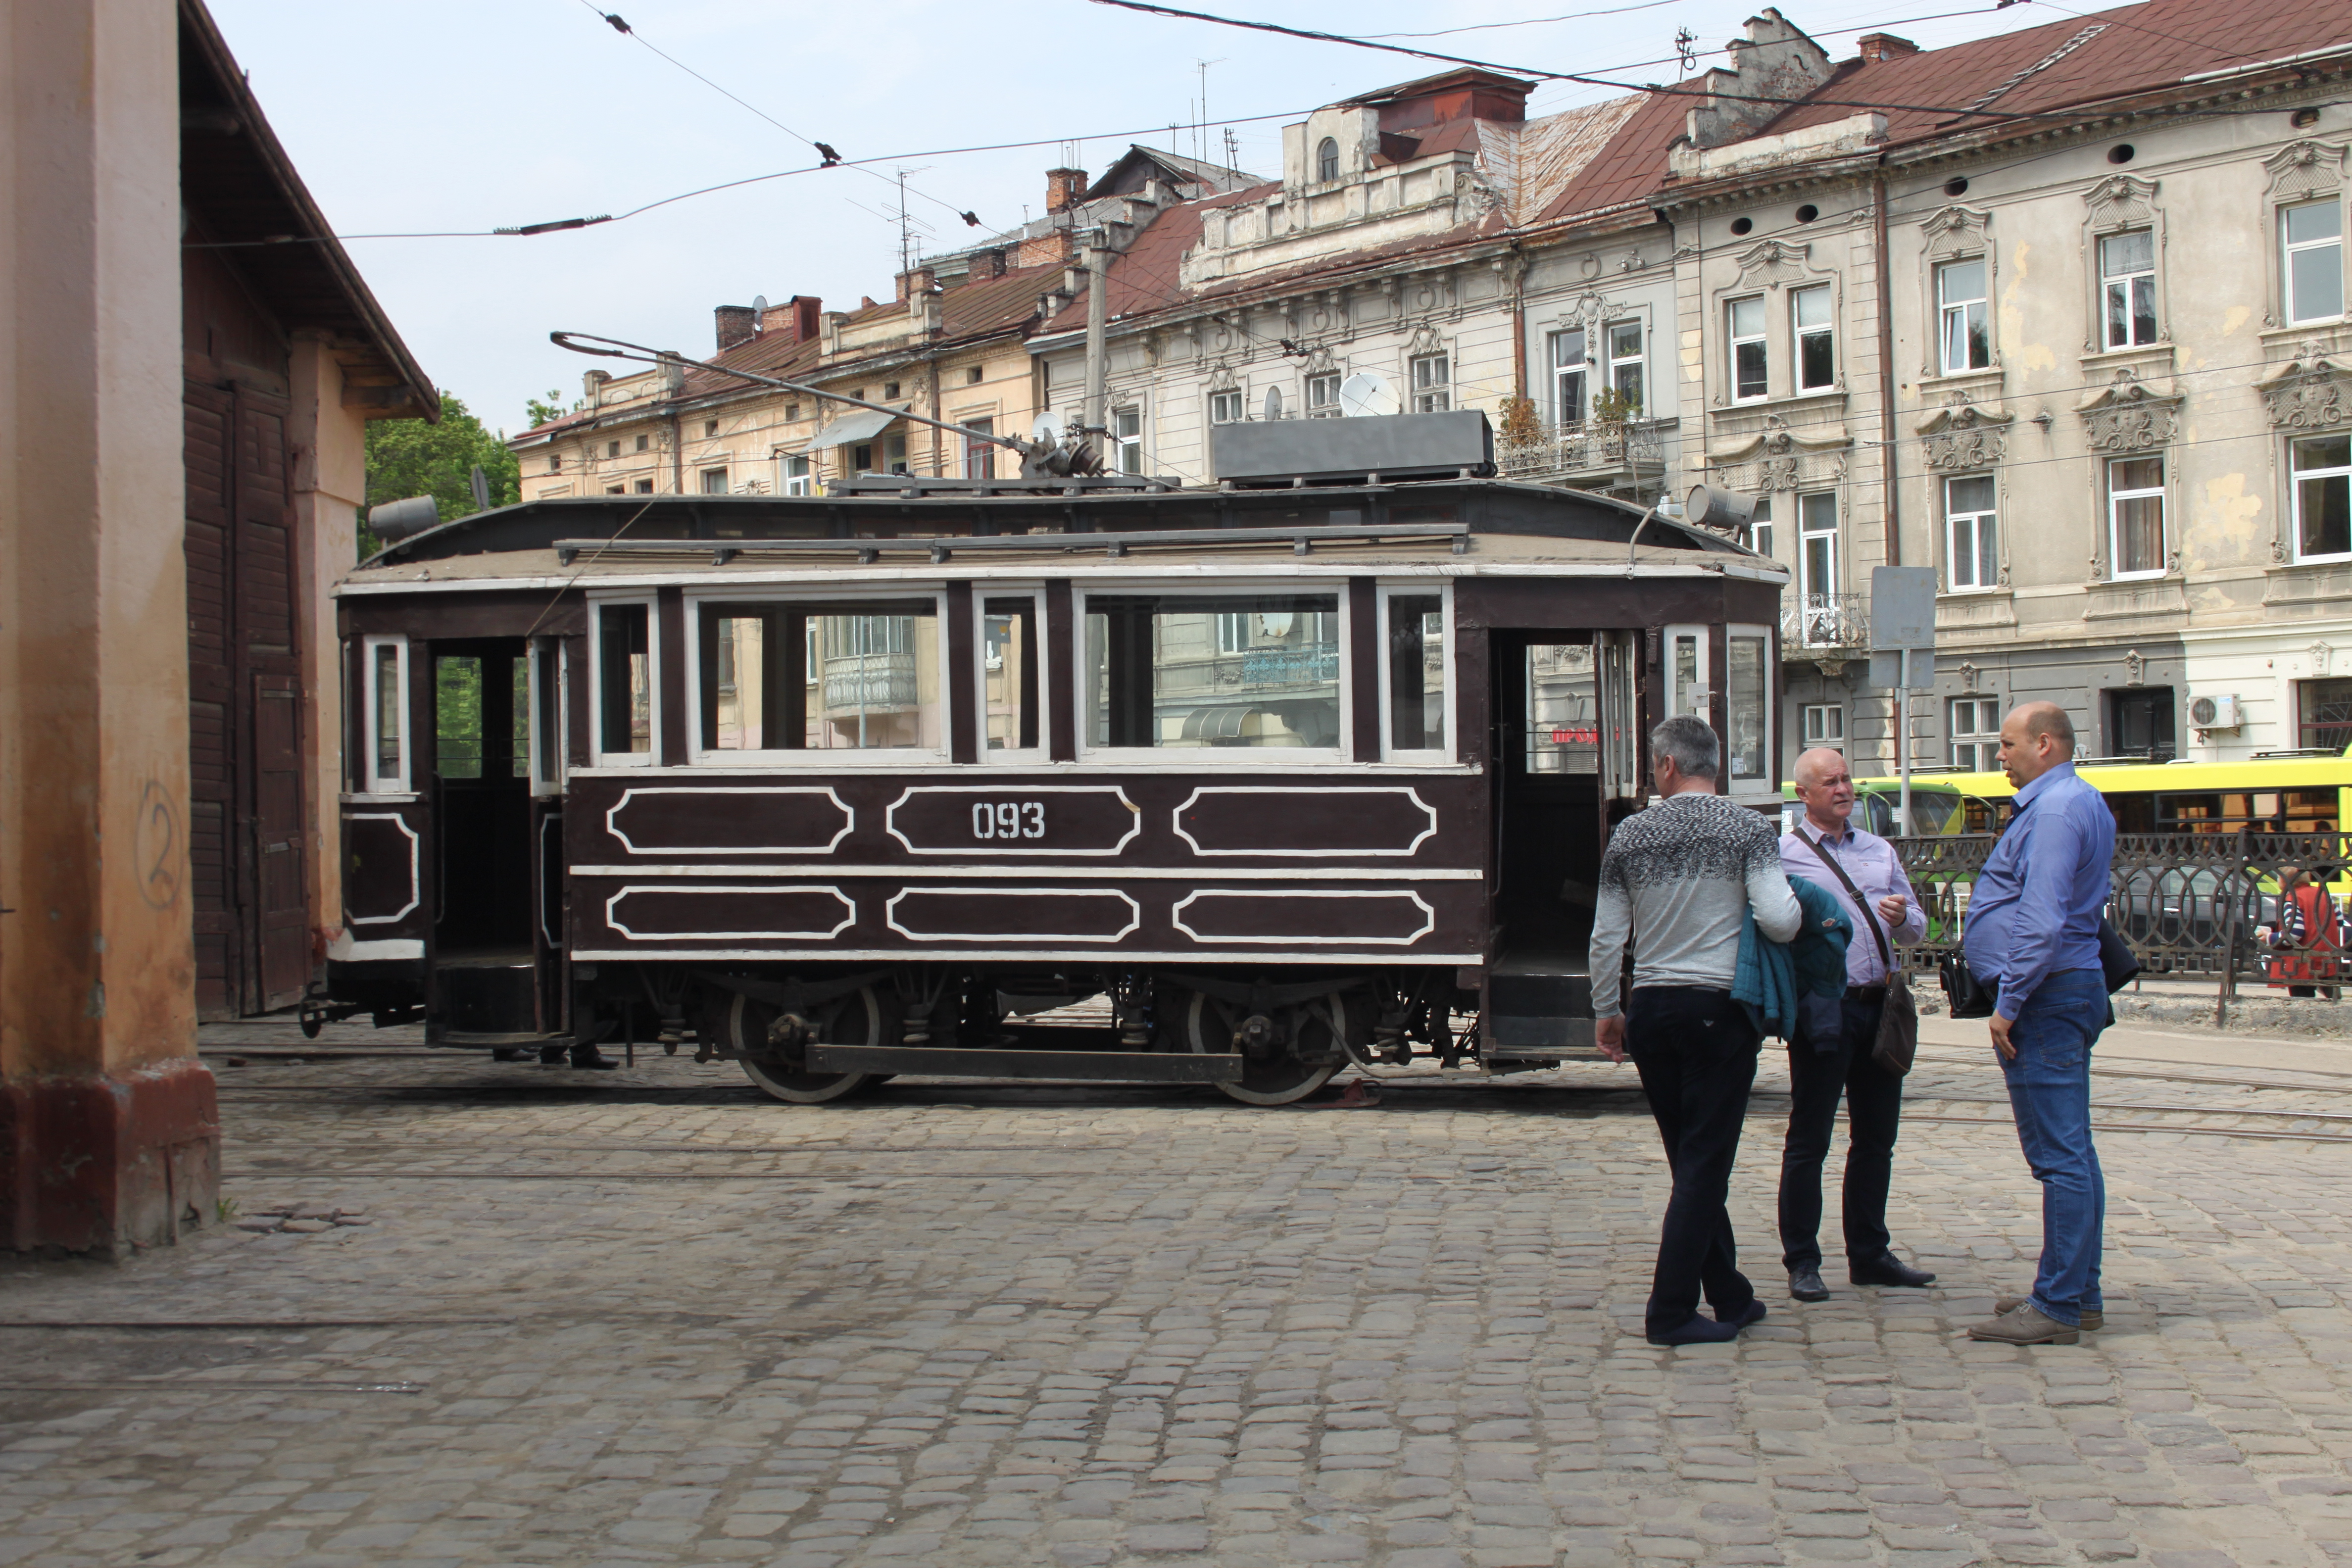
329, 442
109, 1129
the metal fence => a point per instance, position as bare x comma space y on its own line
2188, 904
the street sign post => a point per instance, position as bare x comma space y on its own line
1902, 623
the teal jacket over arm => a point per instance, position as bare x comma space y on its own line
1772, 975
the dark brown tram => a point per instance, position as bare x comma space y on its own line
852, 785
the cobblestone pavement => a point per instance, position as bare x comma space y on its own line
648, 1317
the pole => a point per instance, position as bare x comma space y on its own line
1098, 319
1903, 738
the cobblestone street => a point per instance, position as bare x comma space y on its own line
651, 1317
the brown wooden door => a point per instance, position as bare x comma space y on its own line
208, 414
281, 909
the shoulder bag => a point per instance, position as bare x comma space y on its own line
1898, 1015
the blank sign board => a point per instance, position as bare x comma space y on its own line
1902, 609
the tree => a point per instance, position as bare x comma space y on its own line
409, 457
545, 410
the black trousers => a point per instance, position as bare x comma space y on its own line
1873, 1108
1696, 1052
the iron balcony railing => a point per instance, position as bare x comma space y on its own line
2188, 903
871, 681
1589, 446
1826, 620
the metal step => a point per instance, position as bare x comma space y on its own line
1117, 1066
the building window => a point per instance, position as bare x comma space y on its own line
1823, 725
1232, 632
1326, 159
1972, 537
1816, 333
1626, 363
1966, 332
974, 374
2127, 288
1759, 527
799, 477
1224, 407
1568, 377
2136, 517
889, 389
2323, 498
2313, 238
714, 481
2322, 714
644, 486
615, 490
894, 453
978, 456
1817, 566
611, 448
1976, 734
555, 462
861, 458
642, 443
1127, 432
1323, 396
1748, 355
2140, 724
791, 414
710, 427
1433, 390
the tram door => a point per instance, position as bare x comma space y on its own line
1566, 725
485, 977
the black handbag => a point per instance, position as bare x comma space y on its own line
1972, 998
1897, 1042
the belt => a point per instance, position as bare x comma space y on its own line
1866, 992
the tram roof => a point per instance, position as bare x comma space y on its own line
1465, 524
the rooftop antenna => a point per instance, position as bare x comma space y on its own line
1202, 139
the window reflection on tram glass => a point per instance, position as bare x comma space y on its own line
626, 721
1563, 709
1687, 661
1416, 673
1185, 670
1746, 709
843, 678
1009, 643
388, 699
457, 716
519, 717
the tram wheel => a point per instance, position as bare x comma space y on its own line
1279, 1079
853, 1020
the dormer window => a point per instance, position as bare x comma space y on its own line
1326, 159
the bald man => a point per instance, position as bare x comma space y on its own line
1832, 1056
2033, 933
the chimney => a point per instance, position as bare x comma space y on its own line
737, 325
796, 318
592, 383
986, 263
1065, 188
916, 280
1885, 46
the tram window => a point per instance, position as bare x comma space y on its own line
1748, 704
519, 718
457, 716
1563, 709
545, 717
1686, 653
385, 721
820, 677
1158, 674
1416, 672
1009, 674
624, 680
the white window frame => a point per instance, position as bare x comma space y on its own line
1010, 756
541, 650
1946, 309
1810, 734
2296, 479
2115, 574
1327, 407
877, 758
1435, 394
1128, 443
1809, 590
1978, 521
1638, 362
1760, 337
1954, 738
2288, 251
1189, 759
652, 755
1798, 333
725, 482
368, 783
2109, 282
1230, 406
1669, 701
789, 483
1767, 783
1422, 755
1567, 410
1764, 529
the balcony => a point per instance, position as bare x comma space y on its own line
1593, 454
1827, 621
869, 682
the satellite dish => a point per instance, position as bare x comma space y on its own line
1046, 431
759, 301
1273, 403
1364, 395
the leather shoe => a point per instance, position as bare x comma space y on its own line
2025, 1326
1891, 1270
2094, 1318
1805, 1285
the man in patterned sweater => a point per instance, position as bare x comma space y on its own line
1677, 882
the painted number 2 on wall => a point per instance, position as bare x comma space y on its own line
1009, 819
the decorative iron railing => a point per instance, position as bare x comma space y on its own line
871, 681
1826, 620
2188, 903
1591, 446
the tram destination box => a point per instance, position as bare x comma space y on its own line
1453, 445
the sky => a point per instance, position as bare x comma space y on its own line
408, 116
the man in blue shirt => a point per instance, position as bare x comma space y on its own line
2034, 931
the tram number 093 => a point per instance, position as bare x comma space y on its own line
1009, 819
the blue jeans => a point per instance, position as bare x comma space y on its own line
2050, 1093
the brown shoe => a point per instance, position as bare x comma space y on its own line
2093, 1319
2025, 1326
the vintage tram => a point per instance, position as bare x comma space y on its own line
1306, 769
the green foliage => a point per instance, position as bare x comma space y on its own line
1614, 408
409, 457
543, 411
